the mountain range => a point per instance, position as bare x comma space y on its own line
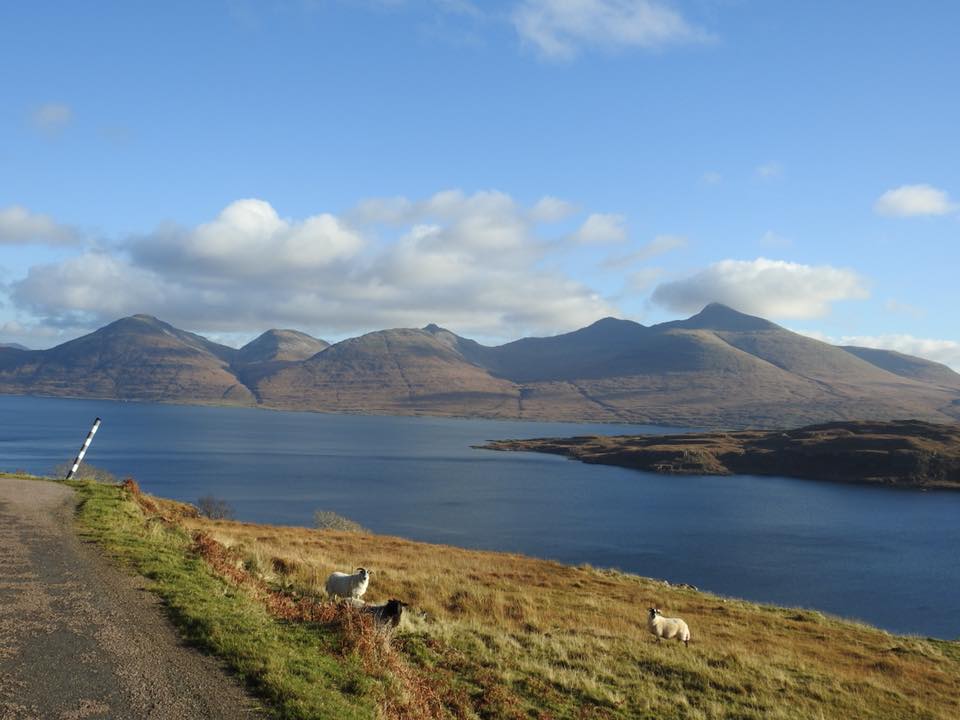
719, 368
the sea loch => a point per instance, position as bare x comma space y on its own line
860, 552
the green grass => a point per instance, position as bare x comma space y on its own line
297, 668
497, 635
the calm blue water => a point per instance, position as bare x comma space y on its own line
888, 557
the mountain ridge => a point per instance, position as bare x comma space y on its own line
718, 368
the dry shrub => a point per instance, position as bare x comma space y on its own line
133, 490
215, 508
222, 560
329, 520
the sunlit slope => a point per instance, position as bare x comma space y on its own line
138, 357
719, 368
390, 371
572, 641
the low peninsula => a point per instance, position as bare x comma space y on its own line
904, 453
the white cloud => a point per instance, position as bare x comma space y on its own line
561, 28
550, 210
769, 288
33, 336
711, 177
910, 200
472, 262
600, 228
248, 239
94, 283
20, 226
51, 118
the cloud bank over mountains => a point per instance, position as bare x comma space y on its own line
475, 262
483, 264
770, 288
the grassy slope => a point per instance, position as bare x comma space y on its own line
296, 668
573, 639
510, 636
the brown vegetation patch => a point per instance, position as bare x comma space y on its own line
905, 453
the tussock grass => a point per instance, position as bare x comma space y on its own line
496, 635
296, 668
527, 638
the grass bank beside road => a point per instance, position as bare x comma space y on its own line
494, 635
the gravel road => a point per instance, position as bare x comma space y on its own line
81, 640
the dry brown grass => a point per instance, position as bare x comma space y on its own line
498, 635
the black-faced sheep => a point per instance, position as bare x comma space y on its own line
348, 586
388, 613
669, 628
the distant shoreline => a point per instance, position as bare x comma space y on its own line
906, 454
356, 413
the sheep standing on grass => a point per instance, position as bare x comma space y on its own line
388, 613
669, 628
348, 586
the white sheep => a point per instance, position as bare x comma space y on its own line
348, 586
669, 628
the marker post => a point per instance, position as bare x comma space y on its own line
83, 449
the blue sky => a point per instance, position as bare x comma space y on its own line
502, 168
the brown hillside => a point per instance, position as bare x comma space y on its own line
908, 366
404, 371
720, 368
137, 357
280, 345
905, 453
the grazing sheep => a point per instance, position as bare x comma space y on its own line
348, 586
669, 628
388, 613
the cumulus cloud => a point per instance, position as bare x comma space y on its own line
911, 200
34, 336
471, 262
20, 226
51, 118
93, 282
559, 29
769, 288
249, 240
550, 209
600, 228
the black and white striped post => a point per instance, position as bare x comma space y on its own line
83, 449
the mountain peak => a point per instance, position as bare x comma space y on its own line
433, 329
612, 322
717, 316
279, 344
